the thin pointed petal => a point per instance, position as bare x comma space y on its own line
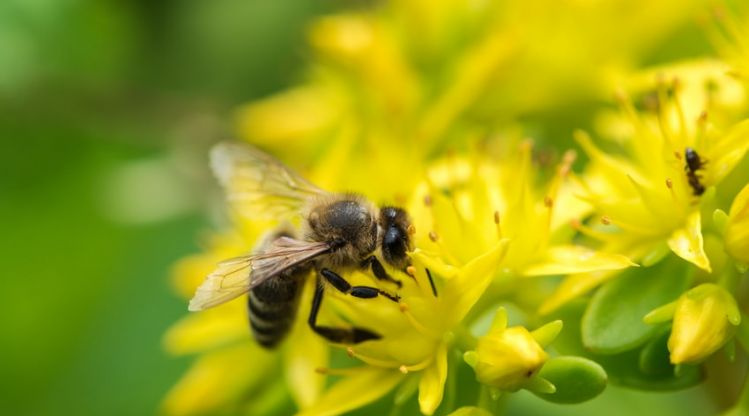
571, 287
687, 242
357, 390
473, 279
546, 334
432, 385
576, 259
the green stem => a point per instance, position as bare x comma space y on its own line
451, 383
729, 280
464, 340
742, 332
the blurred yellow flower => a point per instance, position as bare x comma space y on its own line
648, 196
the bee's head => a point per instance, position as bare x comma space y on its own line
395, 239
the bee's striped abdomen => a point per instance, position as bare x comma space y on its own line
272, 306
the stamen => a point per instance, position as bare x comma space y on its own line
497, 224
699, 141
416, 324
411, 229
605, 220
676, 86
428, 200
548, 202
662, 119
680, 204
411, 271
370, 360
337, 371
590, 232
433, 236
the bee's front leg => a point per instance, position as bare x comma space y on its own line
336, 335
379, 271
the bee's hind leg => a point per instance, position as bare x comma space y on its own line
336, 335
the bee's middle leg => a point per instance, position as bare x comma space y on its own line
364, 292
332, 334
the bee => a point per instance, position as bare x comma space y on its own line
338, 233
693, 164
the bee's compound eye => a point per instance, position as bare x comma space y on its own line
394, 245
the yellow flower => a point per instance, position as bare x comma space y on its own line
461, 244
646, 196
737, 228
508, 358
704, 319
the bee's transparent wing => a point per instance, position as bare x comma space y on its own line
235, 277
258, 185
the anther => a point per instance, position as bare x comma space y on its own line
433, 236
605, 220
403, 369
403, 307
350, 352
669, 183
428, 200
496, 217
548, 202
411, 229
678, 155
321, 370
411, 271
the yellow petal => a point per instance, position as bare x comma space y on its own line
219, 379
576, 259
571, 287
305, 352
432, 384
363, 387
435, 264
687, 242
737, 228
473, 279
470, 411
209, 329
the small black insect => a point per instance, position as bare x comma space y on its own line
693, 164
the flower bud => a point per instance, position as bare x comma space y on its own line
737, 229
705, 318
506, 358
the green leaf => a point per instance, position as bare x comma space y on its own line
576, 379
625, 370
613, 321
654, 357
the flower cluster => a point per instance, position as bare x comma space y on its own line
633, 236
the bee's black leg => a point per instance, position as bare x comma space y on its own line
379, 271
336, 335
364, 292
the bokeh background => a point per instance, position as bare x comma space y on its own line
107, 108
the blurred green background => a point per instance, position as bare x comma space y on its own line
106, 111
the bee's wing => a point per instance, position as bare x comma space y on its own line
235, 277
258, 185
